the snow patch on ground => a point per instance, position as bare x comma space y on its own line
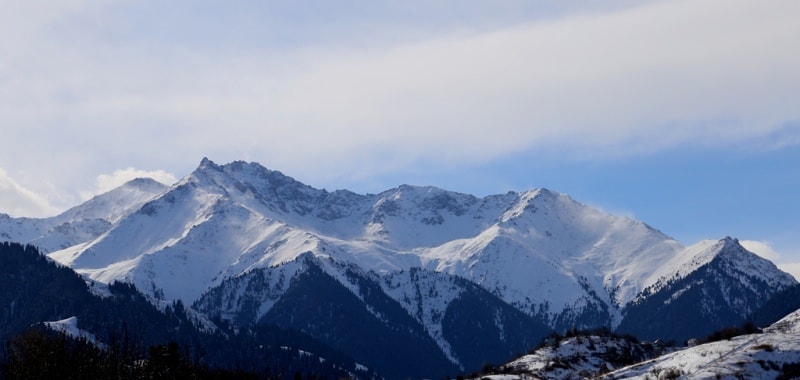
69, 326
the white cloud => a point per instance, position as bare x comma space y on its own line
107, 182
785, 262
761, 248
18, 201
791, 268
642, 80
601, 83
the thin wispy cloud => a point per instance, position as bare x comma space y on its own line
17, 200
761, 248
786, 261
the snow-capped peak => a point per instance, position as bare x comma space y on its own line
84, 222
116, 203
728, 251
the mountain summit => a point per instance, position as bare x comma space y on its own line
247, 244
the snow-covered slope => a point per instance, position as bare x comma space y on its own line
546, 253
69, 326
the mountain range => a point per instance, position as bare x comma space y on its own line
413, 281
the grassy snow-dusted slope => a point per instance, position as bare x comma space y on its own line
773, 353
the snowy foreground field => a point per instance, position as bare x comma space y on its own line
772, 354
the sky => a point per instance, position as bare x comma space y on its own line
683, 114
